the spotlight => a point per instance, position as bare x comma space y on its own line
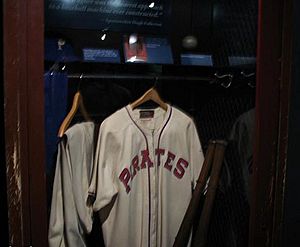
103, 37
104, 34
133, 38
151, 5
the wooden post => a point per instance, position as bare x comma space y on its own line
24, 121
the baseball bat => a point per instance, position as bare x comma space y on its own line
184, 231
200, 237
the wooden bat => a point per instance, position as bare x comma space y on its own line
184, 231
200, 237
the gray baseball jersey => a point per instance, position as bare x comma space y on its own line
70, 217
151, 160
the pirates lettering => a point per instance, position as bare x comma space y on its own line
176, 166
146, 159
125, 177
180, 168
170, 158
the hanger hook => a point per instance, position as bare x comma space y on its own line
250, 84
155, 82
228, 84
247, 75
225, 84
223, 76
80, 80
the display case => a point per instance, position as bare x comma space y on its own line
208, 65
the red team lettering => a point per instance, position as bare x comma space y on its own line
158, 153
135, 166
179, 171
146, 159
125, 177
170, 158
129, 174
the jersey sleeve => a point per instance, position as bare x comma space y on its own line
56, 222
196, 154
70, 218
102, 187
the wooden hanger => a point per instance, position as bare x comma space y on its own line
153, 95
65, 124
77, 103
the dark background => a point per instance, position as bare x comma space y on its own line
292, 200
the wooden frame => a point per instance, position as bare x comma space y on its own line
274, 56
24, 122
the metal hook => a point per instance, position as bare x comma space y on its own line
247, 75
230, 79
250, 83
223, 76
227, 85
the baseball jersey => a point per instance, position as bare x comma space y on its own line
149, 160
70, 217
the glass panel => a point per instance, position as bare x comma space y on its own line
102, 55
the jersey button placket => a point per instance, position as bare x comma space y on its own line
153, 191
